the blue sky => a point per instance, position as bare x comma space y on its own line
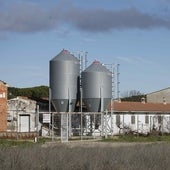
135, 34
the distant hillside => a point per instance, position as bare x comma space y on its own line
37, 92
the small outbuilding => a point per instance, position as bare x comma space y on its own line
21, 115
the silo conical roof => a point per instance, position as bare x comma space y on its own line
65, 55
96, 66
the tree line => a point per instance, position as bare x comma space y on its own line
37, 92
40, 92
133, 96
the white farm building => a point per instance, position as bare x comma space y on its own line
141, 117
21, 115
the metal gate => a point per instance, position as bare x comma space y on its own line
64, 127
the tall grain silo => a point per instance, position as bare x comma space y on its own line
96, 87
64, 78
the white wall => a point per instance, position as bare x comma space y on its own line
140, 124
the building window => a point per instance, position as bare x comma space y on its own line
132, 119
118, 120
2, 95
159, 119
147, 119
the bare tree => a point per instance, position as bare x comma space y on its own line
131, 93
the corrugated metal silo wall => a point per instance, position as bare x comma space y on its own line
64, 76
96, 85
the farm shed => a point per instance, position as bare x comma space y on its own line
129, 117
21, 115
140, 117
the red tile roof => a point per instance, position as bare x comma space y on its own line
140, 107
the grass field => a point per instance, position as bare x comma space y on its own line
133, 138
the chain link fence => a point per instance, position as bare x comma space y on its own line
83, 126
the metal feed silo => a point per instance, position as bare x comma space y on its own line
96, 87
64, 76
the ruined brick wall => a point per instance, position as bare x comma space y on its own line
3, 106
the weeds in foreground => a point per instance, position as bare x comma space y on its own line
153, 156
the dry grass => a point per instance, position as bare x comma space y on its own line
64, 157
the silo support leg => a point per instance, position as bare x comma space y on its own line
70, 127
102, 124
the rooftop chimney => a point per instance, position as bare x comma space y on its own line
164, 100
143, 100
